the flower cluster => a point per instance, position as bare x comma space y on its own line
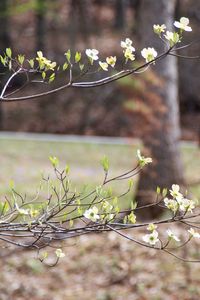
45, 63
178, 201
128, 49
152, 237
173, 37
149, 54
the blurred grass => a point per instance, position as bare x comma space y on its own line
26, 161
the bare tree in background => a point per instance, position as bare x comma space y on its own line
120, 14
78, 21
162, 139
40, 24
4, 41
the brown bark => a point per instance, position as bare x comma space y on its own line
161, 141
40, 24
120, 14
4, 43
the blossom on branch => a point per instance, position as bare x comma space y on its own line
45, 63
183, 24
92, 214
171, 204
149, 54
174, 192
127, 44
103, 65
172, 236
186, 205
111, 60
92, 54
129, 55
172, 37
59, 253
143, 160
151, 238
193, 233
151, 227
158, 29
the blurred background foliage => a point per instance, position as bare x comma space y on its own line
55, 26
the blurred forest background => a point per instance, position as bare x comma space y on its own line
55, 26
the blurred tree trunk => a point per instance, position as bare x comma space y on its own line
161, 142
78, 21
120, 14
4, 42
189, 85
40, 24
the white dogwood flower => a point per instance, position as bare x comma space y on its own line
103, 65
151, 238
183, 24
92, 214
128, 54
143, 160
193, 233
127, 44
111, 60
59, 253
175, 191
172, 236
172, 37
149, 54
158, 29
186, 205
171, 204
92, 54
151, 227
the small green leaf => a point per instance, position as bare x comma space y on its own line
81, 66
77, 57
67, 169
105, 163
9, 52
31, 63
71, 223
109, 192
130, 183
99, 190
54, 161
52, 77
68, 55
65, 66
3, 60
164, 192
133, 205
11, 184
115, 201
43, 75
20, 59
158, 190
125, 220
